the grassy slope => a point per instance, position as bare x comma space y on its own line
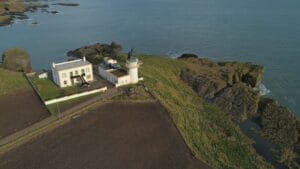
11, 82
209, 133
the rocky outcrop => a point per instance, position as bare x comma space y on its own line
14, 9
17, 60
238, 100
277, 123
95, 53
231, 85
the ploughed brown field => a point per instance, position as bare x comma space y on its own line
20, 110
112, 136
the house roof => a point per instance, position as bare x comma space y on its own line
70, 64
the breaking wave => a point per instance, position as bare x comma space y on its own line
263, 90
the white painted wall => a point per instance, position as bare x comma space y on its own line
75, 96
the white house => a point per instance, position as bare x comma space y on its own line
112, 72
72, 72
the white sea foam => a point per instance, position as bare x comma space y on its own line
173, 54
263, 90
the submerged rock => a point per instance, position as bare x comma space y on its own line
17, 60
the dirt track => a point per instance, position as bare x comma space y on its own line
113, 136
20, 110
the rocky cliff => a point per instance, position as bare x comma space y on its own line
233, 86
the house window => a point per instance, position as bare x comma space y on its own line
65, 82
88, 70
82, 71
64, 75
71, 74
76, 72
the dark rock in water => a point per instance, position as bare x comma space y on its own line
67, 4
278, 123
34, 23
94, 53
187, 55
21, 16
240, 100
54, 12
17, 60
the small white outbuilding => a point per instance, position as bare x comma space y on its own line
42, 75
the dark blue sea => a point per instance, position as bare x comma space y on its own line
266, 32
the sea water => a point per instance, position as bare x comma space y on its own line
266, 32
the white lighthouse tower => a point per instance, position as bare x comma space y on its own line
132, 65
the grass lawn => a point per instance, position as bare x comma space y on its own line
48, 90
210, 133
62, 106
12, 82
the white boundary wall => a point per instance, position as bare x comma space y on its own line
75, 96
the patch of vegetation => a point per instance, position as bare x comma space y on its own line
12, 82
209, 132
48, 90
16, 59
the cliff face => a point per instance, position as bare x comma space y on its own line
228, 84
233, 87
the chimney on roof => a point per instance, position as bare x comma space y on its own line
53, 64
84, 59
